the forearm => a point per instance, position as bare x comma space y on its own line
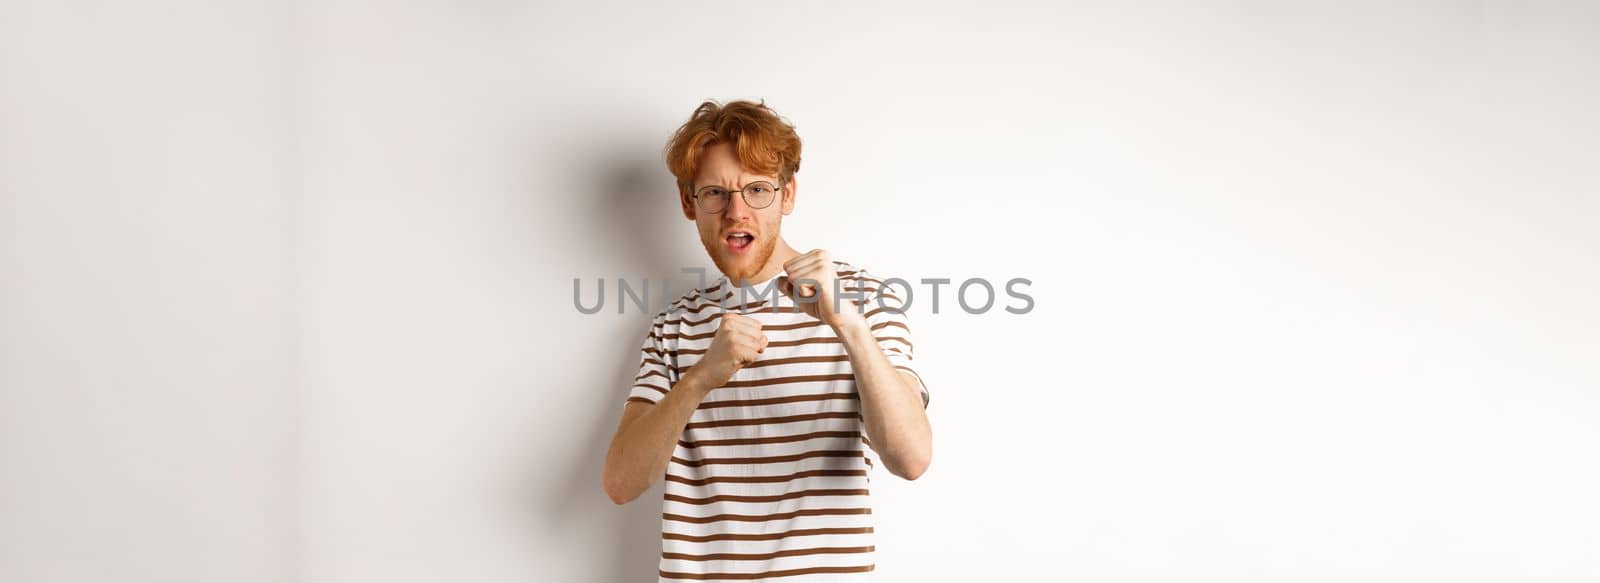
642, 450
891, 405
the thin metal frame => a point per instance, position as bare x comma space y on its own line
777, 190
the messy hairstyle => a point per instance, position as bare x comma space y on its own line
763, 141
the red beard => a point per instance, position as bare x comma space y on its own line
746, 267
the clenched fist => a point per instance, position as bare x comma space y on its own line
738, 342
808, 280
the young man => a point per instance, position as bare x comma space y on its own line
761, 397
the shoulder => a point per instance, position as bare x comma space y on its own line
874, 284
879, 291
691, 303
869, 279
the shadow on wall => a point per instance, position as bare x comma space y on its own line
646, 236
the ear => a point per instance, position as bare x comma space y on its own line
789, 190
687, 201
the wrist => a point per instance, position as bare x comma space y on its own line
701, 378
849, 323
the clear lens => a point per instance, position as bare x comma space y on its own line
712, 199
759, 194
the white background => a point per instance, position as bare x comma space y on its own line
288, 286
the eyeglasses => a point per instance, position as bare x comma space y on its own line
714, 199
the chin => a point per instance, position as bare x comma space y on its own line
739, 268
737, 271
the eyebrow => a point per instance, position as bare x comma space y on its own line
772, 181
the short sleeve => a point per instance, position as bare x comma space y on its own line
652, 382
885, 312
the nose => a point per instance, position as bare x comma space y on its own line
738, 209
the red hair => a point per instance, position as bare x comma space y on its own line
764, 142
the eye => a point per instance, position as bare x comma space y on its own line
759, 189
714, 192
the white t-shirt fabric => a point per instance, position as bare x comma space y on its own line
769, 480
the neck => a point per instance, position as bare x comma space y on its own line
781, 254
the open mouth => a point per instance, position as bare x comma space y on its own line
739, 241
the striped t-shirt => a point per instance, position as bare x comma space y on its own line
769, 479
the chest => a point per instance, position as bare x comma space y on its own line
803, 381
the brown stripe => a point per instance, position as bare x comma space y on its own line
657, 389
766, 556
865, 278
772, 344
763, 479
791, 360
774, 498
653, 373
856, 276
896, 339
845, 287
840, 277
777, 400
766, 517
864, 291
773, 420
795, 326
799, 359
766, 536
882, 309
766, 574
765, 328
682, 337
698, 293
766, 310
685, 322
891, 323
802, 341
809, 378
639, 400
765, 440
696, 309
869, 294
685, 300
810, 323
739, 308
695, 295
768, 459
